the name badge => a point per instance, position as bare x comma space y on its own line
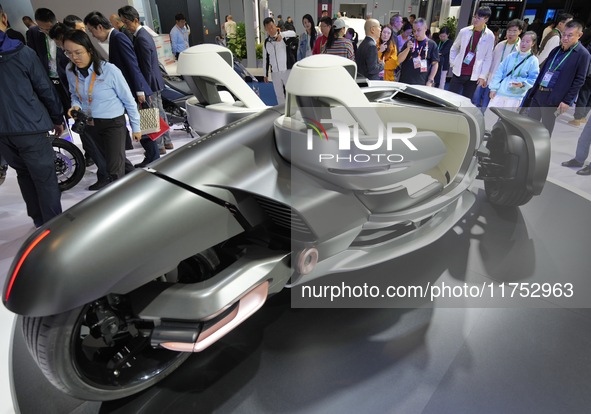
469, 57
423, 65
416, 62
546, 79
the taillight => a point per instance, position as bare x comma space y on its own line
21, 260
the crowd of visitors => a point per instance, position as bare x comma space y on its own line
541, 71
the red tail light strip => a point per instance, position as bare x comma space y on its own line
22, 259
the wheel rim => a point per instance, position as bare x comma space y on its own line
65, 165
126, 361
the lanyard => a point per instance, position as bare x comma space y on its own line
515, 65
425, 46
441, 45
472, 38
48, 48
505, 47
89, 88
563, 59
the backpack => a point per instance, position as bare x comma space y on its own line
291, 45
291, 50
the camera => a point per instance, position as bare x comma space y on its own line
81, 120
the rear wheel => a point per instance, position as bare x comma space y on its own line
70, 164
506, 181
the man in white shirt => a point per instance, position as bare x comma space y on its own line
275, 57
471, 55
552, 40
502, 50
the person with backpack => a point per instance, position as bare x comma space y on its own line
280, 53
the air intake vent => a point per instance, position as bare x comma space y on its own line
286, 219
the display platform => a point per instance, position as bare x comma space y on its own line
422, 360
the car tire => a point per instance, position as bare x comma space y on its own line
510, 189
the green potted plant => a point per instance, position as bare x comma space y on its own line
452, 24
237, 43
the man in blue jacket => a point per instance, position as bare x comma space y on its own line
30, 107
560, 78
147, 56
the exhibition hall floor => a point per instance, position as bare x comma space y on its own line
415, 360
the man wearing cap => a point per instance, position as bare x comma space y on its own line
337, 44
368, 64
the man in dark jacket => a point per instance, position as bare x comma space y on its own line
35, 108
147, 57
10, 32
560, 79
122, 55
52, 57
366, 57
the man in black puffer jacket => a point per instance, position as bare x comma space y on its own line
29, 107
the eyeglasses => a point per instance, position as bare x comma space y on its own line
77, 53
478, 17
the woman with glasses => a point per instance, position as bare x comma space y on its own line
100, 92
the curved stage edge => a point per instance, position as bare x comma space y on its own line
395, 360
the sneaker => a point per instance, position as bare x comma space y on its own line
585, 171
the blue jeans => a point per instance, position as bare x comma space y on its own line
481, 97
583, 144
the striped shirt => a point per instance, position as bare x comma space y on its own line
340, 47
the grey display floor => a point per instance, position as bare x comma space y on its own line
418, 360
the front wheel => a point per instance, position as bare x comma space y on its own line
98, 352
509, 187
70, 164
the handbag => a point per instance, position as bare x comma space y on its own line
149, 120
163, 128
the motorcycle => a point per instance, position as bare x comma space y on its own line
340, 179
